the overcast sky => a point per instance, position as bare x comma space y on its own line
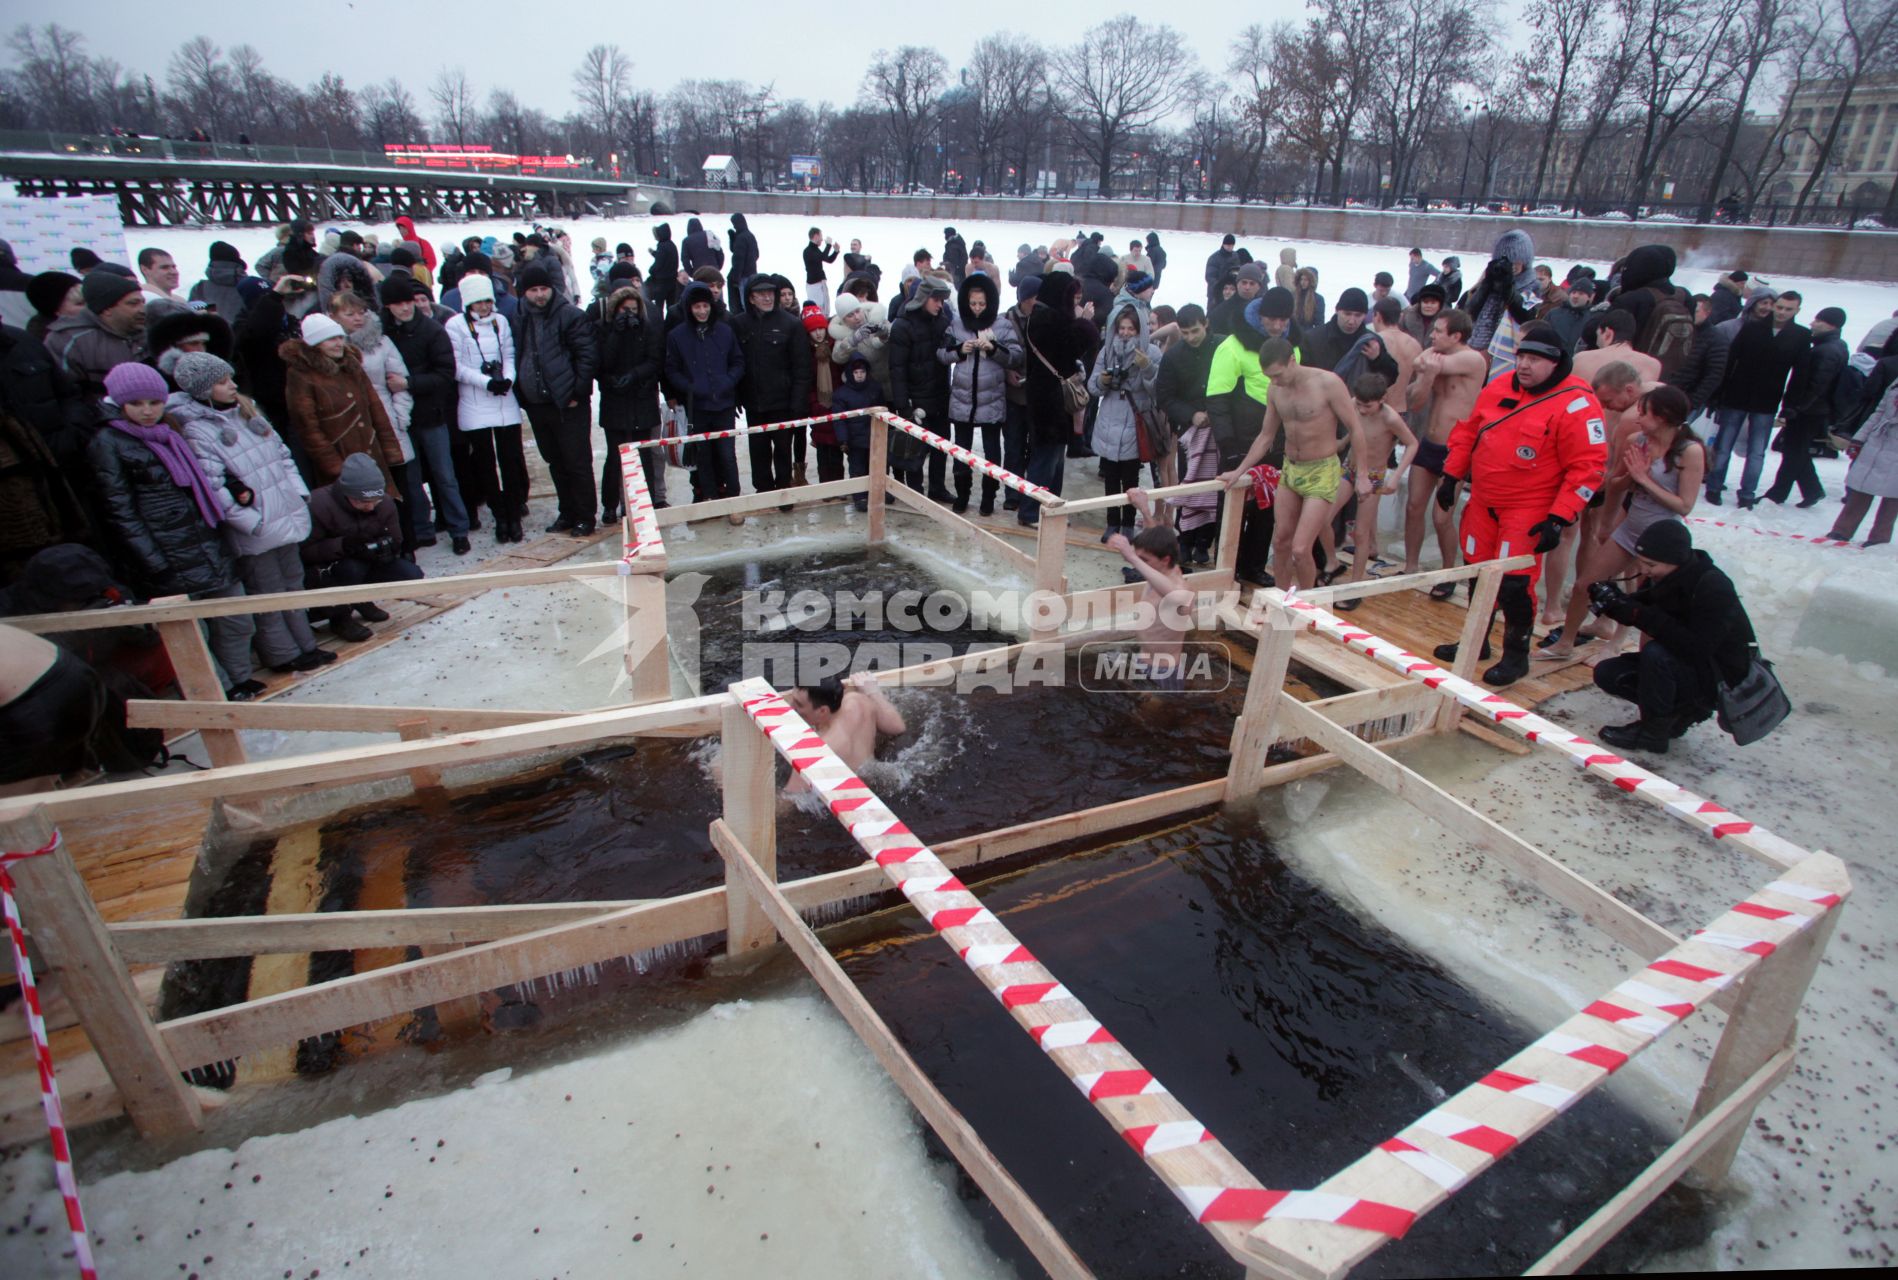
807, 50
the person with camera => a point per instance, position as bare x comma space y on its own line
488, 416
355, 537
1697, 633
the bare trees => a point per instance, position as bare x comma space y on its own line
1436, 47
1858, 36
200, 82
1763, 32
389, 114
602, 85
1565, 32
454, 101
905, 86
1007, 74
1119, 78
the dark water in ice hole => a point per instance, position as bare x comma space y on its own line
1299, 1033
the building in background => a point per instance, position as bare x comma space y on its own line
1863, 162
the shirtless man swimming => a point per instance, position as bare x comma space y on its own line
1311, 404
1449, 378
848, 716
1166, 605
1383, 426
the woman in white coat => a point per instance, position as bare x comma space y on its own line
388, 373
490, 416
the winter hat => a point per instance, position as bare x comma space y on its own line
1453, 261
1433, 291
847, 304
623, 249
1027, 287
535, 276
360, 477
197, 372
222, 251
401, 257
476, 288
1541, 339
621, 271
1834, 316
1353, 300
503, 256
104, 289
1666, 542
83, 259
318, 328
599, 244
1024, 250
48, 289
947, 232
134, 381
1276, 304
1252, 271
1138, 281
396, 289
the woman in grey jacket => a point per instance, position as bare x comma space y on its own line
263, 499
1124, 376
982, 347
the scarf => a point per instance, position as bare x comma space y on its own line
179, 462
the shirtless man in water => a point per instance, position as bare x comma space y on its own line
848, 716
1311, 404
1449, 377
1166, 606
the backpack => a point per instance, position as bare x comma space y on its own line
1668, 334
1848, 389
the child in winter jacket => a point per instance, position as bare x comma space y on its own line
857, 390
355, 538
165, 513
264, 501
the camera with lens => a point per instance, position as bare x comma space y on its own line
1113, 375
490, 368
1602, 595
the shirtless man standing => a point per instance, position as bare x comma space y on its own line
1382, 426
848, 716
1614, 341
1449, 378
1403, 348
1311, 404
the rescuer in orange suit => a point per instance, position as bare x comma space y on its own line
1534, 450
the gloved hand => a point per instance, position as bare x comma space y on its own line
1446, 492
1548, 533
355, 548
1622, 610
500, 386
382, 549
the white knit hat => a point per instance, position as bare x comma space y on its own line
847, 303
319, 328
476, 288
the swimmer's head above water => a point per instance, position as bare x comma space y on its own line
817, 703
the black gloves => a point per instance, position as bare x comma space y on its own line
355, 548
358, 548
1548, 533
1446, 492
500, 386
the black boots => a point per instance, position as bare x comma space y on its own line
1515, 663
1642, 735
1447, 652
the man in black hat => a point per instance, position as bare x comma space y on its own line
1218, 263
1333, 340
1696, 627
1534, 449
110, 331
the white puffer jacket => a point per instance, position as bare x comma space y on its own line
489, 339
229, 445
380, 359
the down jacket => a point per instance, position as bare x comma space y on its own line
556, 351
918, 381
777, 352
430, 360
332, 520
230, 447
703, 362
156, 521
871, 340
632, 352
380, 358
978, 380
476, 342
1116, 437
334, 410
86, 350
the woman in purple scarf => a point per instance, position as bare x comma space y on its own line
165, 516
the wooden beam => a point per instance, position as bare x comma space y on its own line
164, 713
748, 771
1470, 642
198, 678
1051, 552
1102, 503
1409, 581
1232, 513
648, 640
355, 764
421, 777
1603, 910
1581, 1244
1007, 1195
1352, 709
879, 476
961, 527
55, 905
1255, 731
317, 598
771, 500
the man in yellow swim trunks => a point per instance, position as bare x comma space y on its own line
1311, 404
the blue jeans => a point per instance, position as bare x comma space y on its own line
438, 468
1758, 430
1047, 459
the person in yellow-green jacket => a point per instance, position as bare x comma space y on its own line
1235, 407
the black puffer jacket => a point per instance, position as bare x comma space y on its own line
156, 521
744, 249
918, 380
1706, 364
430, 358
632, 351
778, 361
662, 282
1057, 337
1809, 395
34, 386
554, 353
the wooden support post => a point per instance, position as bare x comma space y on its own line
1051, 553
1256, 729
648, 656
1469, 645
1761, 1024
748, 767
1232, 514
422, 777
1007, 1195
57, 908
198, 680
879, 474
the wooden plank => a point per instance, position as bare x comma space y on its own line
164, 713
316, 598
1470, 642
1581, 1244
1231, 518
962, 527
1603, 910
879, 476
1351, 709
1409, 581
56, 1008
198, 678
353, 764
749, 781
1102, 503
67, 929
1483, 733
1051, 551
648, 647
421, 777
748, 503
1007, 1195
1255, 732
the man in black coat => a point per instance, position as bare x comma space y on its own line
1807, 410
662, 282
1706, 364
1157, 256
1697, 631
955, 255
1218, 263
430, 358
1762, 354
744, 260
777, 382
919, 384
1332, 341
555, 356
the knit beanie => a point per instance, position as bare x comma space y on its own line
621, 271
476, 288
1252, 271
48, 289
396, 289
197, 372
1027, 287
599, 244
134, 381
1276, 304
1834, 316
103, 290
223, 251
847, 304
361, 477
318, 328
1666, 542
1138, 281
1353, 300
535, 276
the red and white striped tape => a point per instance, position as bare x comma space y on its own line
732, 433
43, 1057
1693, 809
1816, 539
641, 521
1194, 1165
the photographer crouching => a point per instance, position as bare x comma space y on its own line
355, 537
1695, 626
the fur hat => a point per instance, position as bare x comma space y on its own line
196, 372
47, 290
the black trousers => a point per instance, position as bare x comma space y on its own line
991, 450
48, 729
1657, 681
772, 455
1118, 477
564, 436
491, 449
1795, 466
353, 571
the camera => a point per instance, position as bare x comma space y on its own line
1603, 594
1113, 375
490, 368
